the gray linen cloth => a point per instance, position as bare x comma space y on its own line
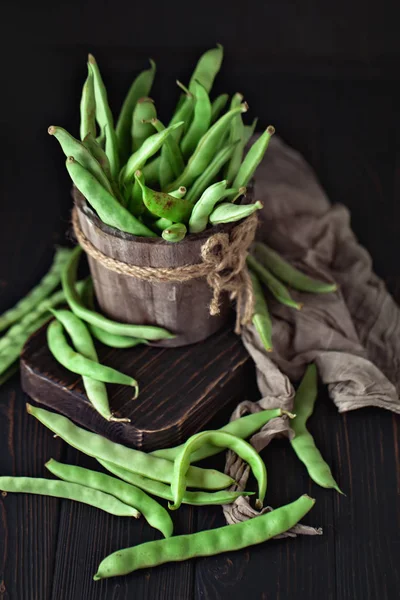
352, 335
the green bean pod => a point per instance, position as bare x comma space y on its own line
277, 289
98, 153
200, 123
153, 512
104, 117
203, 208
162, 224
161, 490
146, 151
179, 193
140, 88
289, 274
95, 389
174, 233
136, 461
144, 111
205, 543
261, 317
227, 212
135, 202
80, 153
151, 172
303, 443
69, 491
253, 158
163, 205
249, 131
88, 108
110, 211
41, 291
242, 428
183, 113
172, 151
114, 341
79, 364
68, 279
218, 106
210, 173
236, 133
223, 440
207, 68
206, 149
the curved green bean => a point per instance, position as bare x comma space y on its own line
135, 202
303, 443
210, 173
226, 212
223, 440
156, 488
163, 205
79, 364
95, 389
218, 106
172, 151
98, 153
110, 211
253, 158
200, 123
41, 291
136, 461
104, 117
147, 332
244, 427
207, 68
153, 512
114, 341
236, 133
81, 154
183, 113
143, 112
206, 543
88, 108
162, 224
289, 274
174, 233
146, 151
277, 289
69, 491
261, 317
206, 149
140, 88
204, 207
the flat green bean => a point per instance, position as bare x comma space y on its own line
303, 443
218, 106
153, 512
207, 68
243, 428
81, 154
95, 389
144, 111
206, 543
277, 289
136, 461
200, 123
261, 317
110, 211
98, 153
41, 291
226, 212
163, 205
205, 205
146, 151
289, 274
210, 173
88, 108
77, 363
147, 332
140, 88
174, 233
253, 158
156, 488
206, 149
104, 117
223, 440
69, 491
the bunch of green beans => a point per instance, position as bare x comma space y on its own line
129, 172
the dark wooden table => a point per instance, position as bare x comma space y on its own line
344, 117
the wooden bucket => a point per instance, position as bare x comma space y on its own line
180, 307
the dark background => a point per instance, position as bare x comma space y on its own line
326, 75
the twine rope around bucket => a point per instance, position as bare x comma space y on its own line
223, 265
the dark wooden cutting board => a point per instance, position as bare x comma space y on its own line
181, 389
